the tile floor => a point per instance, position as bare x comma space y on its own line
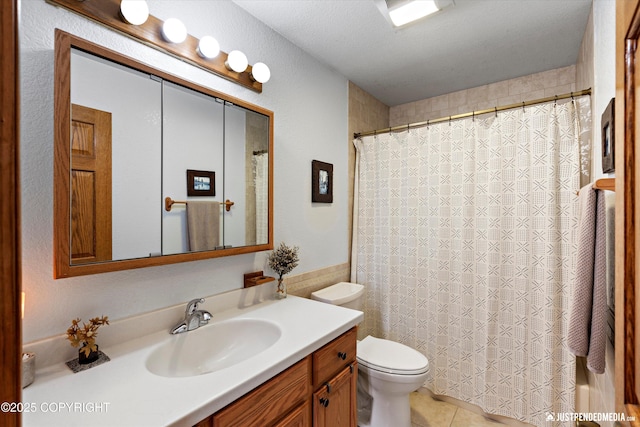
429, 412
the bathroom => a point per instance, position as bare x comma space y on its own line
316, 111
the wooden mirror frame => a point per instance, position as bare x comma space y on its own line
61, 174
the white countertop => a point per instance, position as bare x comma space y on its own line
123, 392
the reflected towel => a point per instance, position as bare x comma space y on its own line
203, 222
587, 323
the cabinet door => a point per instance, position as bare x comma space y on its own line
334, 404
299, 417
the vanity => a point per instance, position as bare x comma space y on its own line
306, 377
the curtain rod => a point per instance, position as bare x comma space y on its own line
474, 113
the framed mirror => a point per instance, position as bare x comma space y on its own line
150, 169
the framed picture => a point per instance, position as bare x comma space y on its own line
201, 183
608, 138
321, 182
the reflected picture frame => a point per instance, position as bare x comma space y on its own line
321, 182
201, 183
608, 138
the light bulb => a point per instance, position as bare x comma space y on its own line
134, 12
260, 72
174, 31
208, 47
237, 61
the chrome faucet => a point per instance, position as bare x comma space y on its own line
193, 318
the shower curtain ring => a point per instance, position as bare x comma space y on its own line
496, 110
522, 105
449, 120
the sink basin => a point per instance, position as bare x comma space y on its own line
212, 347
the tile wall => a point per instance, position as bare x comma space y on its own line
527, 88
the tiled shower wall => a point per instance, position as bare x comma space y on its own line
528, 88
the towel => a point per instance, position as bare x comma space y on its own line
203, 223
587, 322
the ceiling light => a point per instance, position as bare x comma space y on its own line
412, 11
260, 72
174, 31
208, 47
134, 12
237, 61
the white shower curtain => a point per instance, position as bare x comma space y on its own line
464, 234
261, 181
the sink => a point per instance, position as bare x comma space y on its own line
213, 347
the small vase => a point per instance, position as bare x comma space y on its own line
281, 291
83, 359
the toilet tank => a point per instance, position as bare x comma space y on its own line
344, 294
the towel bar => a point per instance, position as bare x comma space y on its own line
168, 202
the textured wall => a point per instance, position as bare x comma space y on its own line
526, 88
310, 106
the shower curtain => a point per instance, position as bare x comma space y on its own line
464, 234
261, 182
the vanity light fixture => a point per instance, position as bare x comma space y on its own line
237, 61
174, 31
170, 37
260, 72
208, 47
134, 12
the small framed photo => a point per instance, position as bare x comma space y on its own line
201, 183
321, 182
608, 138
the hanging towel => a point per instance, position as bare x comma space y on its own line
587, 323
203, 221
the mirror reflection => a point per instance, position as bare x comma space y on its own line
138, 138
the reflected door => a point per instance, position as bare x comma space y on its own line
90, 185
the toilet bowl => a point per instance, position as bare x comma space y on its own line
387, 371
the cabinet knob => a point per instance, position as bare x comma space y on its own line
342, 355
324, 402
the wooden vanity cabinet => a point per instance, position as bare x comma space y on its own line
335, 402
319, 390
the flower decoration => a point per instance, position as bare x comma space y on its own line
283, 259
86, 335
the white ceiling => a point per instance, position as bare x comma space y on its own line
473, 43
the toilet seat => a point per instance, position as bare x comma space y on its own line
390, 357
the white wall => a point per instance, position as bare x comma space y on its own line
310, 107
602, 387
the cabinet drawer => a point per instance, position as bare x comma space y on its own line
333, 357
266, 404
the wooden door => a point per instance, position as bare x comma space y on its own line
10, 326
627, 342
334, 405
90, 185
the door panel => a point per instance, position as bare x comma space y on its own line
627, 367
90, 185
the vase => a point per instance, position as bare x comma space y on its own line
281, 290
83, 359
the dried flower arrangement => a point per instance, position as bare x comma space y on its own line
86, 335
283, 259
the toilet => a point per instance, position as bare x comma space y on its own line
387, 370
